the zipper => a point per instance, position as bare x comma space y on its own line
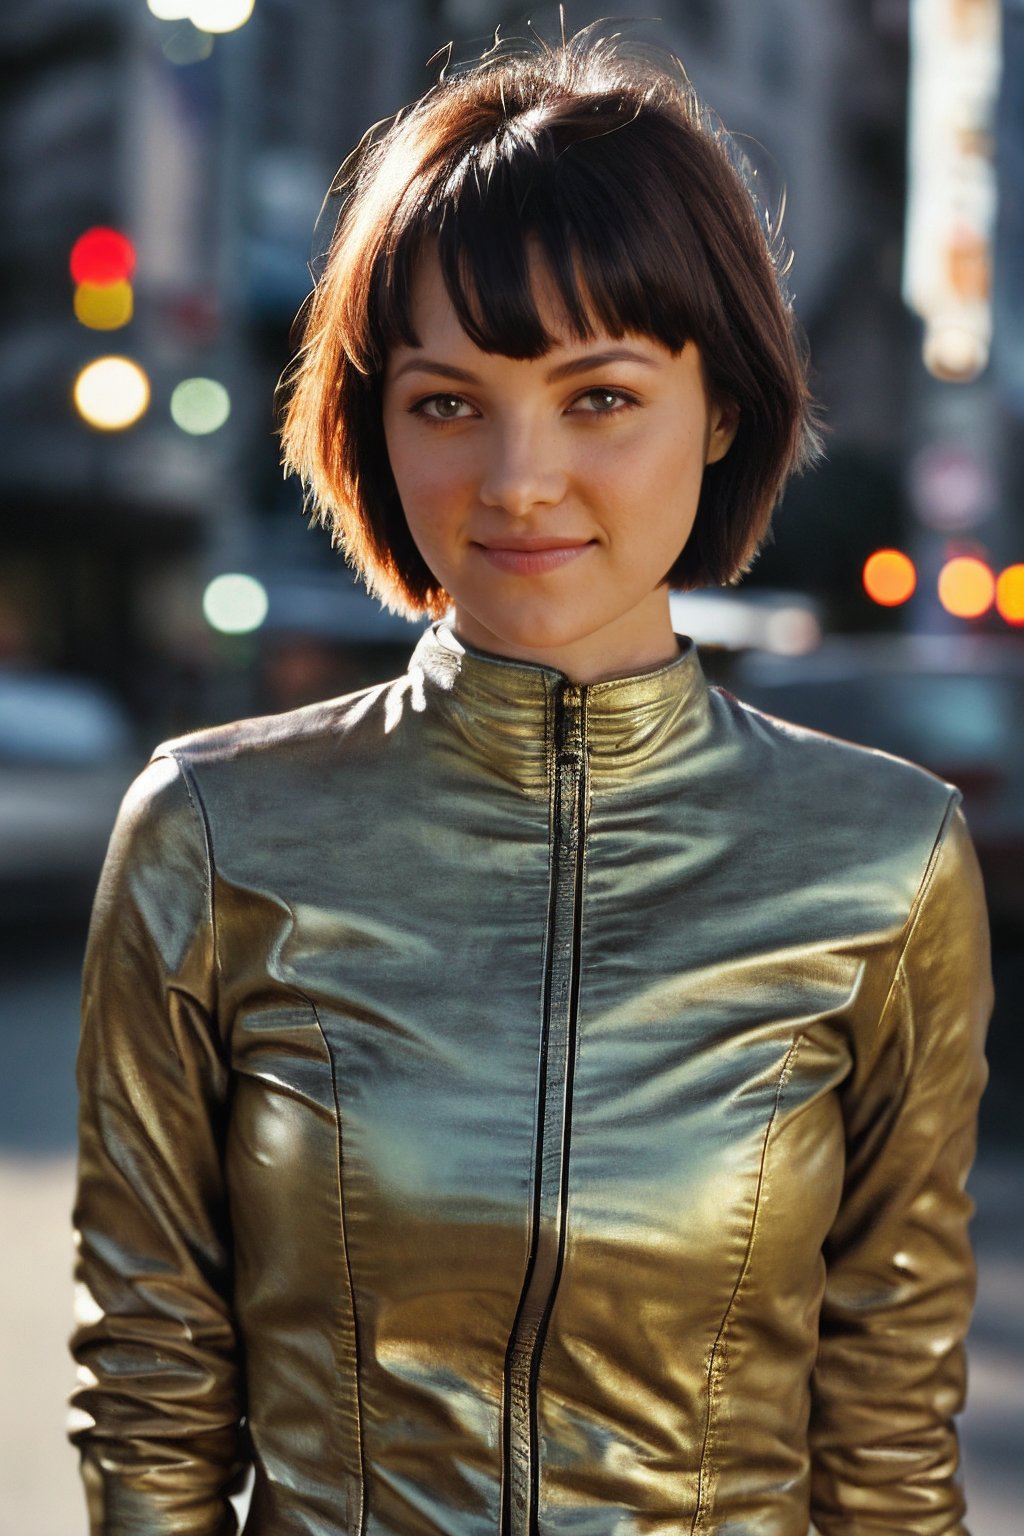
554, 1105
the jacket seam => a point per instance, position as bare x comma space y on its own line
917, 905
198, 806
354, 1527
716, 1364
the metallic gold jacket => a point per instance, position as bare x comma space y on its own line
512, 1106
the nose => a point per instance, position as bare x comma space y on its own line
521, 469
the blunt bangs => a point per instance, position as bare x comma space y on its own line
605, 168
571, 198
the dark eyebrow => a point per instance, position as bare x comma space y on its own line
441, 370
576, 365
599, 360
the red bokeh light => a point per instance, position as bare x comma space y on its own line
102, 256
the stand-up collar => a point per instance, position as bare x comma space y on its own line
506, 709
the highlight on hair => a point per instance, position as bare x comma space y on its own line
607, 164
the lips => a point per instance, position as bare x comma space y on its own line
530, 546
532, 557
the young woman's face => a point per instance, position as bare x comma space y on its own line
550, 496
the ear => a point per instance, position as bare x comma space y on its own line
723, 423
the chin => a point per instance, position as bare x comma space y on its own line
542, 628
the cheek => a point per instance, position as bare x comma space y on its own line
427, 474
662, 476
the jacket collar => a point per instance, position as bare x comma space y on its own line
507, 709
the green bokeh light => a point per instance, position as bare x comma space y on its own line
200, 406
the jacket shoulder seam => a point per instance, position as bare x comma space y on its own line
198, 805
917, 905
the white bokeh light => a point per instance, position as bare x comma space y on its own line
111, 393
219, 15
235, 604
170, 10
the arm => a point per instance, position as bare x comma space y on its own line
900, 1285
156, 1413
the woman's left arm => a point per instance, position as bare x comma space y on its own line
890, 1373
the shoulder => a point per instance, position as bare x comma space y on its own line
238, 769
156, 877
313, 727
797, 749
816, 788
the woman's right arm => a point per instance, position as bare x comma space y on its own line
157, 1411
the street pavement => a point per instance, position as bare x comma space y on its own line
38, 1473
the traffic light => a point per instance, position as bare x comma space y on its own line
102, 266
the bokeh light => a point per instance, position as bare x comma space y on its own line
111, 393
792, 632
953, 352
235, 604
889, 577
220, 15
102, 256
200, 406
170, 10
187, 45
1010, 594
104, 306
967, 587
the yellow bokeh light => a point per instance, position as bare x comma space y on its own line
1010, 594
200, 406
170, 10
220, 15
966, 587
104, 306
235, 604
889, 577
111, 393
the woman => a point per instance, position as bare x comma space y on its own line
535, 1095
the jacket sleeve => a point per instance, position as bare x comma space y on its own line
890, 1372
156, 1414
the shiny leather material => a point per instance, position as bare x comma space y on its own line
535, 1108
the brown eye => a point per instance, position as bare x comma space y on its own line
603, 402
441, 407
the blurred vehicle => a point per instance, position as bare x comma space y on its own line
760, 618
954, 704
323, 637
67, 755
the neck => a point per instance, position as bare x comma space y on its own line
638, 642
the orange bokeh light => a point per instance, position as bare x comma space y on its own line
1010, 594
966, 587
889, 577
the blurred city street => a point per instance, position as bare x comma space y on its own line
40, 1480
163, 171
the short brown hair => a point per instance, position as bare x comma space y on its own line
611, 167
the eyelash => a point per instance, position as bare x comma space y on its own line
625, 401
